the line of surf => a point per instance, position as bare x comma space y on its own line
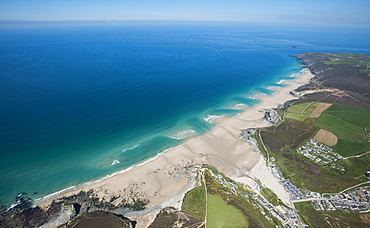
209, 119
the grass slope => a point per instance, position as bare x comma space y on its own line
301, 111
195, 202
244, 205
222, 215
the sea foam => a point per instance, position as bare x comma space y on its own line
115, 162
184, 134
130, 148
240, 106
52, 195
211, 118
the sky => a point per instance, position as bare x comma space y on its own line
330, 12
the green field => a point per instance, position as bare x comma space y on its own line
348, 124
271, 196
337, 219
347, 58
195, 202
346, 148
282, 141
301, 111
243, 205
222, 215
340, 61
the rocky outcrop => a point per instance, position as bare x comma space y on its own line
272, 116
170, 217
24, 215
99, 219
64, 209
285, 105
67, 213
246, 136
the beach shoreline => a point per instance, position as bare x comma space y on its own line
165, 178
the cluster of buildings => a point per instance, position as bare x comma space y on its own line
321, 154
286, 216
227, 184
319, 203
355, 200
293, 190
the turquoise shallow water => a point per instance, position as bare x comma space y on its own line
79, 102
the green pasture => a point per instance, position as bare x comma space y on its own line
348, 124
348, 58
220, 214
340, 61
354, 115
340, 128
195, 202
346, 148
301, 111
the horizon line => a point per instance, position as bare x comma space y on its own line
118, 21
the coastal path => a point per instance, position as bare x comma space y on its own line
206, 207
308, 199
357, 156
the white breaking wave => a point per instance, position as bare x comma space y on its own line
254, 97
184, 134
211, 118
281, 81
240, 106
130, 148
50, 196
115, 162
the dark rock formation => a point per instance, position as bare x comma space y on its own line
62, 210
285, 105
272, 116
29, 217
99, 219
170, 217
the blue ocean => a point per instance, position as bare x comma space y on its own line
81, 101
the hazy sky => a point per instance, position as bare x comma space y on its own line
334, 12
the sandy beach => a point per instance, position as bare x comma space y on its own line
165, 179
